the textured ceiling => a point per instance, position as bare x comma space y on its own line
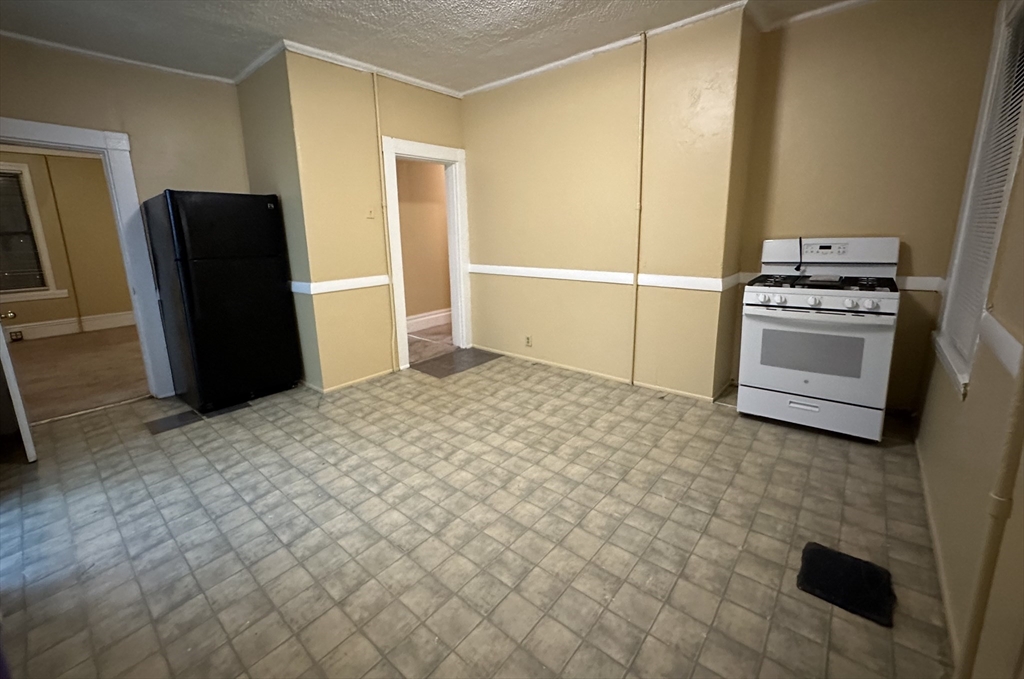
456, 44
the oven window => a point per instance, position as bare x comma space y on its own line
839, 355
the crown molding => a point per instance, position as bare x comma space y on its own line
821, 11
111, 57
265, 56
753, 10
738, 4
582, 56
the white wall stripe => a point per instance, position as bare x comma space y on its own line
926, 283
688, 282
618, 277
320, 287
905, 283
1002, 342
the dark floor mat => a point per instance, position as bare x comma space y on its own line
853, 584
455, 362
173, 421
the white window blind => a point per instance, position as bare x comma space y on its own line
994, 161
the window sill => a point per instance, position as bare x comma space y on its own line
956, 368
32, 295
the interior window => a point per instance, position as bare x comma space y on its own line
20, 266
997, 148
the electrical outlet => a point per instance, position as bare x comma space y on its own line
529, 341
16, 336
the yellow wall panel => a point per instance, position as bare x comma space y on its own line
586, 326
552, 166
688, 136
676, 340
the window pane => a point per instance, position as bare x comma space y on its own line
19, 258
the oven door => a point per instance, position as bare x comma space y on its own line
838, 357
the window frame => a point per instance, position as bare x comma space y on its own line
49, 291
957, 366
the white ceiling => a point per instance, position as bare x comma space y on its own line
457, 45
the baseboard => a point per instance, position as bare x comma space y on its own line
677, 392
940, 569
70, 326
106, 321
43, 329
534, 359
428, 320
328, 390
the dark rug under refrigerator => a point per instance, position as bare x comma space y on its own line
855, 585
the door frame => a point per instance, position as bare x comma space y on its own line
457, 213
24, 426
113, 148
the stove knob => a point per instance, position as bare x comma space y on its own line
779, 299
763, 298
814, 301
850, 303
870, 304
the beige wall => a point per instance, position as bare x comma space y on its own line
552, 167
421, 202
311, 136
688, 135
336, 144
185, 132
865, 123
676, 339
960, 446
571, 323
335, 127
415, 114
90, 235
552, 182
697, 129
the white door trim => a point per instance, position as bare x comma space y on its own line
454, 161
113, 147
19, 406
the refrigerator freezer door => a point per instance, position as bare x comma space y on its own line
227, 225
246, 337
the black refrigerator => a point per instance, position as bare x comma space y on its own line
221, 267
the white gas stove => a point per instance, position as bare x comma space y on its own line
818, 328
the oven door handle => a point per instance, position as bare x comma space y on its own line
818, 317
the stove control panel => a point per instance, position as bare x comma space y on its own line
878, 254
825, 249
835, 301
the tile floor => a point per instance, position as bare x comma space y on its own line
513, 520
430, 343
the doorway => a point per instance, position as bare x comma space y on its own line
424, 233
112, 150
425, 188
63, 290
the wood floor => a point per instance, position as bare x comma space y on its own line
71, 373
